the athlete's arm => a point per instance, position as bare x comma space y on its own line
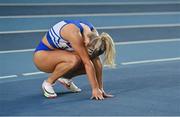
98, 67
75, 38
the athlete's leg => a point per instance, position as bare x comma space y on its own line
80, 70
57, 62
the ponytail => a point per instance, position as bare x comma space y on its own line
109, 56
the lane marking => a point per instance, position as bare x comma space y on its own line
16, 51
151, 61
32, 73
140, 26
98, 28
123, 63
94, 3
148, 41
23, 31
116, 43
91, 15
9, 76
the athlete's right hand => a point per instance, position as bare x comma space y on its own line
97, 94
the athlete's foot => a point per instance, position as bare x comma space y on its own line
69, 84
48, 90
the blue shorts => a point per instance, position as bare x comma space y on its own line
42, 46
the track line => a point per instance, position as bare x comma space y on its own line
16, 51
8, 76
104, 27
151, 61
91, 15
116, 43
32, 73
23, 31
89, 3
123, 63
140, 26
148, 41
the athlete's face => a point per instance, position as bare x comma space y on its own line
96, 47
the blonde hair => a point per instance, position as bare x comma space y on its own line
109, 55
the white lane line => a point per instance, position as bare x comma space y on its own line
90, 3
151, 61
140, 26
91, 15
16, 51
23, 74
123, 63
23, 31
147, 41
32, 73
116, 43
104, 27
9, 76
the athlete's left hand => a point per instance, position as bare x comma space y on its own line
105, 95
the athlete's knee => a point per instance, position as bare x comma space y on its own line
75, 61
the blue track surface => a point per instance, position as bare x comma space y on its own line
81, 9
14, 24
125, 53
151, 89
31, 40
80, 1
143, 32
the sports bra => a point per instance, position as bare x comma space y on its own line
56, 40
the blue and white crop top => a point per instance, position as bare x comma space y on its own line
55, 39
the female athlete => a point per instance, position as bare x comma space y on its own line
71, 48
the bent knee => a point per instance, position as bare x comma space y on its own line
75, 60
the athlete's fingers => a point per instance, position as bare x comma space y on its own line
92, 98
101, 97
